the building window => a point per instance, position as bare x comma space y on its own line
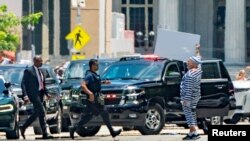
139, 18
137, 1
248, 34
124, 1
220, 32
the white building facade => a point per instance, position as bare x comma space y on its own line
222, 24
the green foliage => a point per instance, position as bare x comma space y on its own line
9, 36
32, 19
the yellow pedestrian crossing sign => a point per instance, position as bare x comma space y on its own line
79, 36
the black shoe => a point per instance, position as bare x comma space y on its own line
22, 130
192, 137
71, 132
115, 133
47, 136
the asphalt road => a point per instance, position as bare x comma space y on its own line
169, 133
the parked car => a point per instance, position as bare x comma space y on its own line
14, 74
73, 77
242, 96
145, 94
8, 111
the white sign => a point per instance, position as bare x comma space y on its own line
175, 45
75, 3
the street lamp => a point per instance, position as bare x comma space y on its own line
151, 38
139, 38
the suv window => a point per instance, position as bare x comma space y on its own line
171, 68
136, 70
76, 70
14, 75
224, 72
210, 71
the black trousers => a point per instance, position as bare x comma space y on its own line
39, 111
95, 109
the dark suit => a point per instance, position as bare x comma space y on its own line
30, 88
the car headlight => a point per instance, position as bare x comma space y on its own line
66, 92
132, 97
134, 94
6, 108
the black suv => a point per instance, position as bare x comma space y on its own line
14, 73
145, 93
8, 111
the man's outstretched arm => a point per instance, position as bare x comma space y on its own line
197, 50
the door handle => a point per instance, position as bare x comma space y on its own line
219, 86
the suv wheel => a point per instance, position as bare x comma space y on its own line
57, 122
235, 119
84, 131
155, 120
13, 134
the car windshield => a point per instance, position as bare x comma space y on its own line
13, 75
145, 71
77, 70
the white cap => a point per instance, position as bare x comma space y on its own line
196, 59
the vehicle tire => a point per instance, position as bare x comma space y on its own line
235, 119
154, 122
57, 122
37, 130
65, 123
13, 134
84, 131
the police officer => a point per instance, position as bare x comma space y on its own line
92, 87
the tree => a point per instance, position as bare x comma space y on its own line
9, 37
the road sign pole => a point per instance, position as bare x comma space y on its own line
78, 21
70, 46
78, 17
77, 38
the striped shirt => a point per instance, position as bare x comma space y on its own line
190, 85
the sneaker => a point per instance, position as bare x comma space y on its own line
47, 136
192, 137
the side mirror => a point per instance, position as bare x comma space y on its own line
174, 74
7, 85
173, 78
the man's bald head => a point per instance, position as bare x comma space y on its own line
38, 61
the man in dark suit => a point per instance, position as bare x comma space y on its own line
34, 90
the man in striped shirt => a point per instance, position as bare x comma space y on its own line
190, 93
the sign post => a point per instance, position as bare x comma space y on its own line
77, 38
